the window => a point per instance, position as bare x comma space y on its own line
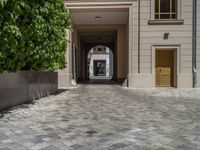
165, 9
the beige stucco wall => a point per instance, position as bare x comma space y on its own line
180, 35
122, 53
65, 75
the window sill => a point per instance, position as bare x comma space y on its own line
166, 22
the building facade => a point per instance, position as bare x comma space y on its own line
151, 40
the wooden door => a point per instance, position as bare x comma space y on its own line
164, 67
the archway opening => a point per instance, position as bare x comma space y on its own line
100, 63
108, 33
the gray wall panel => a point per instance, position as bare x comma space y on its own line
22, 87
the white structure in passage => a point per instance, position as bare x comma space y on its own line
100, 63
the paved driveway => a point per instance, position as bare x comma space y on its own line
106, 117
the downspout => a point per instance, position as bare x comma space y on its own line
139, 11
194, 42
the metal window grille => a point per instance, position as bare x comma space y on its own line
165, 9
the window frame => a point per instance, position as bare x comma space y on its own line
178, 11
170, 12
177, 21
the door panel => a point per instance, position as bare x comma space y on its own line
158, 69
164, 67
165, 76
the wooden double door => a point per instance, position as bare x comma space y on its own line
165, 68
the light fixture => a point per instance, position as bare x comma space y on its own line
97, 18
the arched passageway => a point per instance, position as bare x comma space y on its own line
100, 63
96, 57
109, 27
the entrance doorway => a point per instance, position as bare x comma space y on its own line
97, 43
166, 67
107, 25
99, 68
100, 63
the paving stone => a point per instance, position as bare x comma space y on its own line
103, 117
3, 136
184, 147
76, 146
119, 146
16, 146
4, 149
40, 146
51, 147
6, 141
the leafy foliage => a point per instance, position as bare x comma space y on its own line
32, 34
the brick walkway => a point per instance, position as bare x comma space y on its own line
106, 117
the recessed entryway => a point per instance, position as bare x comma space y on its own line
100, 63
166, 68
104, 23
102, 44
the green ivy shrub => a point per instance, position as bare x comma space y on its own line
33, 35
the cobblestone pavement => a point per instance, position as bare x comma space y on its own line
106, 117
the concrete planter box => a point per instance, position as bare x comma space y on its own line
26, 86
